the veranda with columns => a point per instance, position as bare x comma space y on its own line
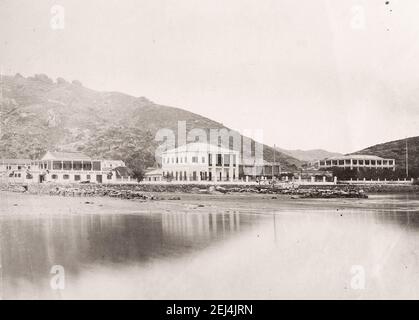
200, 162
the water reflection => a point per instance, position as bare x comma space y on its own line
31, 246
274, 252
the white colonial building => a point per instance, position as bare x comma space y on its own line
357, 161
63, 167
200, 162
18, 170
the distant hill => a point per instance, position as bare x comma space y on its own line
309, 155
397, 150
38, 114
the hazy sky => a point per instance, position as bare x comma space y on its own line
339, 75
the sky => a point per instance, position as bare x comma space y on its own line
337, 75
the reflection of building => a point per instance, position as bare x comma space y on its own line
356, 162
200, 162
200, 225
64, 167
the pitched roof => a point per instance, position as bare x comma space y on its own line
200, 147
123, 172
65, 156
153, 172
16, 161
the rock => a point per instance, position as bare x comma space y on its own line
221, 189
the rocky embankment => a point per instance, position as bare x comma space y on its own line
159, 192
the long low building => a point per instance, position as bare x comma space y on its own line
356, 162
63, 167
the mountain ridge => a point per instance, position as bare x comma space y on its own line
396, 149
38, 114
309, 155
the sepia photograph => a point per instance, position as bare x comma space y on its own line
207, 150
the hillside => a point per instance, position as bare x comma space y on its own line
397, 150
309, 155
38, 114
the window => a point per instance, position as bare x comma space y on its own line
96, 165
87, 166
54, 177
19, 167
186, 159
77, 177
219, 160
203, 159
77, 165
234, 160
195, 159
210, 159
66, 177
67, 165
57, 165
367, 162
227, 160
88, 177
173, 160
177, 160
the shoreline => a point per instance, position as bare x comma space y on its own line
18, 204
146, 192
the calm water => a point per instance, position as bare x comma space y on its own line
367, 249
